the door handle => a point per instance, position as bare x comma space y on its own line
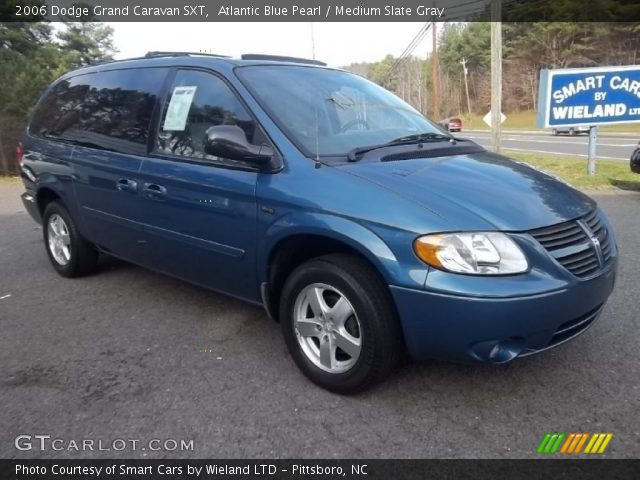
154, 191
127, 185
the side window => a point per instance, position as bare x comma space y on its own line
110, 109
199, 100
60, 109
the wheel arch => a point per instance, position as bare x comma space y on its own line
44, 196
291, 243
49, 188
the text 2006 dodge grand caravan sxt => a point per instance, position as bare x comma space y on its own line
363, 228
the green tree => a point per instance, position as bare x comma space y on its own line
32, 55
86, 42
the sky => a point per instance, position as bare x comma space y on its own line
337, 44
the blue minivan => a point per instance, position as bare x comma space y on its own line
363, 228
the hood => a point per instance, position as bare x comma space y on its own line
478, 191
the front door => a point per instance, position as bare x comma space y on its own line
200, 210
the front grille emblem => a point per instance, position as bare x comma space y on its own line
598, 248
595, 242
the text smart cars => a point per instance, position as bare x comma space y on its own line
362, 227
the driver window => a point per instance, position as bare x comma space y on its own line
197, 101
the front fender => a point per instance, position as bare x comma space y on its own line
344, 230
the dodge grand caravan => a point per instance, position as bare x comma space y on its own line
360, 226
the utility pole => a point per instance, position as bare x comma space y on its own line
313, 42
496, 74
466, 84
435, 67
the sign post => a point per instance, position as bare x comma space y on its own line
593, 137
589, 97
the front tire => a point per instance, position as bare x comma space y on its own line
340, 324
70, 254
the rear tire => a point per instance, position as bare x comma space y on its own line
572, 132
338, 301
70, 254
554, 132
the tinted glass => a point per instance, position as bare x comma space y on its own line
329, 112
101, 107
197, 101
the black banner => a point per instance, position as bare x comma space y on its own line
314, 469
319, 11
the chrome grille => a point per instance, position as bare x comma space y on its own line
571, 245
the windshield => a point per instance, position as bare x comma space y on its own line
330, 112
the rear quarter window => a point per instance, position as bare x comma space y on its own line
112, 109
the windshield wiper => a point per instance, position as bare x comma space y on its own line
352, 156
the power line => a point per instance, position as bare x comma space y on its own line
415, 41
409, 49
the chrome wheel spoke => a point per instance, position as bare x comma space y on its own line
308, 328
54, 227
340, 311
60, 226
348, 344
316, 301
327, 352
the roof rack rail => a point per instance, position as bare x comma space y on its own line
278, 58
181, 54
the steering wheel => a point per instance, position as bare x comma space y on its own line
352, 123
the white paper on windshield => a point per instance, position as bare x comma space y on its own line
179, 107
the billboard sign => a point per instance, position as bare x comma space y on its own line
589, 96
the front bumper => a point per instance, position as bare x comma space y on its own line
496, 330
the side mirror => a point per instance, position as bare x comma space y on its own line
230, 141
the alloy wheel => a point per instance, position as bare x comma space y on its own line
59, 239
327, 328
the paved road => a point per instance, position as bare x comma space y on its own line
608, 147
131, 354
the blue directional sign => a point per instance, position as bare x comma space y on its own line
589, 96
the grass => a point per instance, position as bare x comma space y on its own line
9, 180
527, 121
609, 174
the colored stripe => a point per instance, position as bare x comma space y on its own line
567, 442
581, 443
605, 442
596, 445
575, 442
547, 449
554, 449
594, 437
543, 443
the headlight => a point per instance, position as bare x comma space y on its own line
476, 253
